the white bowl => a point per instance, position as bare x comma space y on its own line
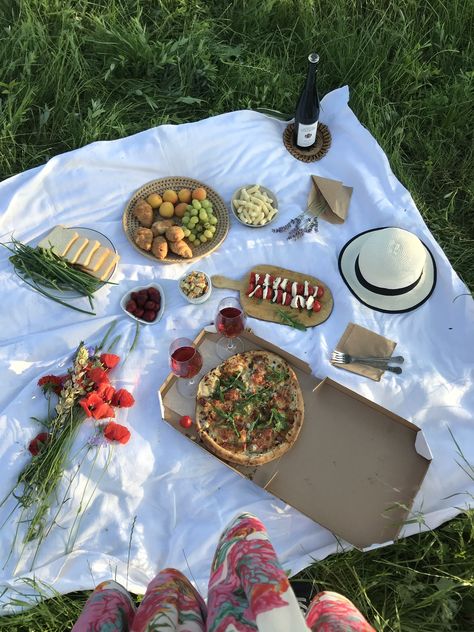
265, 190
199, 299
128, 296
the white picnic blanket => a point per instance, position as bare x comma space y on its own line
178, 497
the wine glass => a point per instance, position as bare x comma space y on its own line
185, 362
230, 321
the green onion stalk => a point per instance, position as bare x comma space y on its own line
43, 270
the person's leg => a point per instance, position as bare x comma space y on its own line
108, 609
248, 588
172, 603
331, 612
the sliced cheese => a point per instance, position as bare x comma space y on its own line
86, 255
59, 240
98, 258
106, 268
76, 249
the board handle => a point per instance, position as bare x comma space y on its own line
220, 281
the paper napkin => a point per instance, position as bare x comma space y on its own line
329, 199
359, 341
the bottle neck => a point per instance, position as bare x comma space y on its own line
311, 76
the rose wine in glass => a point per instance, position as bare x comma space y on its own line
185, 363
230, 322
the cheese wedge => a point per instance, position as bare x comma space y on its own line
98, 258
60, 239
106, 268
86, 255
76, 249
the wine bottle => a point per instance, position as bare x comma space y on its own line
307, 109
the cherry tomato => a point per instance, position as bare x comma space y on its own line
186, 422
320, 292
316, 306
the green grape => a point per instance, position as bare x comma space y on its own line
189, 207
207, 225
192, 238
212, 229
203, 239
213, 220
194, 212
203, 216
197, 241
206, 204
196, 204
186, 232
208, 234
192, 222
185, 219
199, 228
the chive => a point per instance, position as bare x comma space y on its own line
42, 269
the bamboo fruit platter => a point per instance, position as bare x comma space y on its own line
266, 309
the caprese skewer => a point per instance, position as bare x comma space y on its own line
283, 291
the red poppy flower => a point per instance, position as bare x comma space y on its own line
90, 403
109, 360
97, 375
106, 391
102, 411
94, 406
122, 398
51, 383
116, 432
35, 446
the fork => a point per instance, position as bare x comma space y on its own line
346, 358
383, 366
376, 364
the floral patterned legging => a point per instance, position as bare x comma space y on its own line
248, 591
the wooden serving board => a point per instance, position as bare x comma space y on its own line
266, 310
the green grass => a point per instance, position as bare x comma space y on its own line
76, 71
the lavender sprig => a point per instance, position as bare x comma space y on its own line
299, 226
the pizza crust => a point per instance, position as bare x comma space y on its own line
205, 389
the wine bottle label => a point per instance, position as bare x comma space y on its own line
306, 134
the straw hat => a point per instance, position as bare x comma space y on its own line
388, 269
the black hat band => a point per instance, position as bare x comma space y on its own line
383, 290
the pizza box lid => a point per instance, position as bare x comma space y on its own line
355, 468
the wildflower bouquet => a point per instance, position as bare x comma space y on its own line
84, 392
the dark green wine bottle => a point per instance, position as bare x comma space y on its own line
307, 109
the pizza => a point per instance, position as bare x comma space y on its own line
250, 408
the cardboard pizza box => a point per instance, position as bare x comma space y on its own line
355, 468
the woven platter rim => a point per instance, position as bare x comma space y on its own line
130, 223
323, 144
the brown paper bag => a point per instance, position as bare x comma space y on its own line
329, 199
